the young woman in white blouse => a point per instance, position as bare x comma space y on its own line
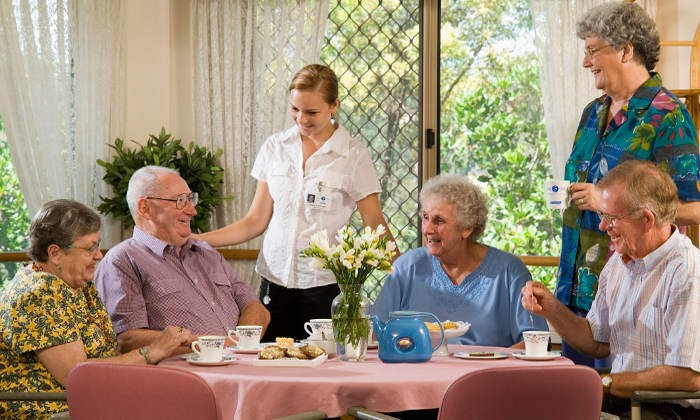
309, 177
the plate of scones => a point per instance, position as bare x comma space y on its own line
285, 353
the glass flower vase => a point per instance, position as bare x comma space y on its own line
350, 322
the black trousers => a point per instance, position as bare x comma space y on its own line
291, 308
650, 411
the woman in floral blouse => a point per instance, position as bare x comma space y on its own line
51, 317
636, 118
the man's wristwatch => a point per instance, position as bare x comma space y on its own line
607, 383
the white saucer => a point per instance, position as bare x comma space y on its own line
194, 359
253, 350
549, 356
475, 355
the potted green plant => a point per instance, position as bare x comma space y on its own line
196, 164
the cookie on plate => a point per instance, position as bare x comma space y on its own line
271, 353
295, 353
312, 350
284, 342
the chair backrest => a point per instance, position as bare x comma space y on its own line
105, 391
526, 392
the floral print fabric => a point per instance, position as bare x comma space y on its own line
654, 126
37, 311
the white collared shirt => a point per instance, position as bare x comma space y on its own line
648, 308
338, 175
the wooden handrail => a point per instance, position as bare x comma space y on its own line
251, 254
540, 260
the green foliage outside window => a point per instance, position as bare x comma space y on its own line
492, 125
14, 217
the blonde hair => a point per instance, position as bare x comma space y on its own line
317, 77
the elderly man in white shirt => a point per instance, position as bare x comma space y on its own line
645, 313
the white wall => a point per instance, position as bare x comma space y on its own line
158, 70
677, 20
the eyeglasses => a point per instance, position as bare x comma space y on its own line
589, 52
611, 220
91, 249
181, 200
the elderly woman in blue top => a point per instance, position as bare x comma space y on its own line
454, 276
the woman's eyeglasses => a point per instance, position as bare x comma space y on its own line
589, 52
181, 200
91, 249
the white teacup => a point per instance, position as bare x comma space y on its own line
248, 336
210, 348
320, 329
536, 342
315, 337
556, 193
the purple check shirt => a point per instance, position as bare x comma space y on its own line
145, 283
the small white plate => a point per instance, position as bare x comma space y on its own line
245, 351
476, 355
194, 360
549, 356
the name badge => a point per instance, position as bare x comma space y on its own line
316, 199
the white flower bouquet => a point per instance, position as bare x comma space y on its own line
351, 260
354, 257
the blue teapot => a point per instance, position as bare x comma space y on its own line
405, 338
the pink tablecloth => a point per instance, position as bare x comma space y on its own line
246, 392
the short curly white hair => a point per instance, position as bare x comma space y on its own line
467, 199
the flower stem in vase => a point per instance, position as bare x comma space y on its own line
350, 325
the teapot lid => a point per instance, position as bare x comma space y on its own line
406, 314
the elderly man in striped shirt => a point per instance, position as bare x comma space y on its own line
160, 276
645, 313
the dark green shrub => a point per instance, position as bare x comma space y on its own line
197, 166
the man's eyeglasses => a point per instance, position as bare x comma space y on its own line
91, 249
181, 200
589, 52
611, 220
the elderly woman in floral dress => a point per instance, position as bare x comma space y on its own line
51, 317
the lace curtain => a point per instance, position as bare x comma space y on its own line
566, 86
58, 68
245, 52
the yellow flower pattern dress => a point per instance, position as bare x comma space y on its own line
39, 310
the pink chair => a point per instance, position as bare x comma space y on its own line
527, 392
106, 391
524, 392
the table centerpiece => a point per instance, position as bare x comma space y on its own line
351, 260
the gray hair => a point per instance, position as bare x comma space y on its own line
618, 23
144, 183
467, 199
60, 222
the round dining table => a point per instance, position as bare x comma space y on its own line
246, 391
